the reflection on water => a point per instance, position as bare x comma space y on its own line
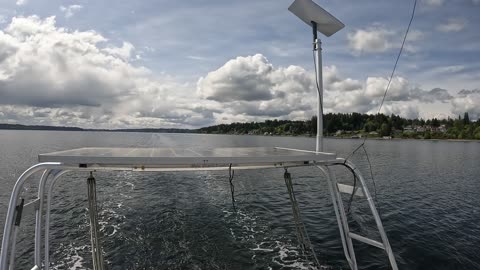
427, 194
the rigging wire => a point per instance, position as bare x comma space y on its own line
362, 145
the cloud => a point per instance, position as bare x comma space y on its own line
252, 87
399, 89
402, 98
448, 69
465, 92
53, 75
346, 85
434, 3
243, 78
468, 101
198, 58
125, 52
378, 39
452, 25
252, 78
49, 73
434, 95
70, 10
370, 40
21, 2
409, 111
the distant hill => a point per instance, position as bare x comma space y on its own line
57, 128
27, 127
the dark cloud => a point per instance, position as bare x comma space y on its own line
465, 92
434, 95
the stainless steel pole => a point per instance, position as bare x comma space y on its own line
317, 49
97, 255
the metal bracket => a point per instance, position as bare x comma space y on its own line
18, 213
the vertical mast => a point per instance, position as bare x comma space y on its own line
317, 49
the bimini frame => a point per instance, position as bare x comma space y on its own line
52, 172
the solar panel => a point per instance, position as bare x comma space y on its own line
310, 12
187, 157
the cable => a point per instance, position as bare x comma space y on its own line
362, 145
398, 56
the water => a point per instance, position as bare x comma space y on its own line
427, 195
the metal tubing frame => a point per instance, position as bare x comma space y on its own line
56, 176
7, 231
38, 217
12, 254
343, 217
59, 169
326, 171
376, 216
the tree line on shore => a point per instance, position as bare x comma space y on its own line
356, 124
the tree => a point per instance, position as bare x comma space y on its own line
476, 133
427, 135
370, 126
386, 129
466, 119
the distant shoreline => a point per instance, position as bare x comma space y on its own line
197, 131
58, 128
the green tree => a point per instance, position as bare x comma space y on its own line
427, 135
476, 133
466, 119
385, 129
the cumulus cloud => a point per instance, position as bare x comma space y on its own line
465, 92
125, 52
452, 25
70, 10
467, 101
399, 89
377, 39
49, 70
402, 98
243, 78
372, 39
251, 86
52, 75
434, 95
409, 111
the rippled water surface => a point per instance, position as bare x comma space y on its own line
427, 191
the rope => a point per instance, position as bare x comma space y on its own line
231, 173
302, 234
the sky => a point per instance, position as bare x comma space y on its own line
189, 64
